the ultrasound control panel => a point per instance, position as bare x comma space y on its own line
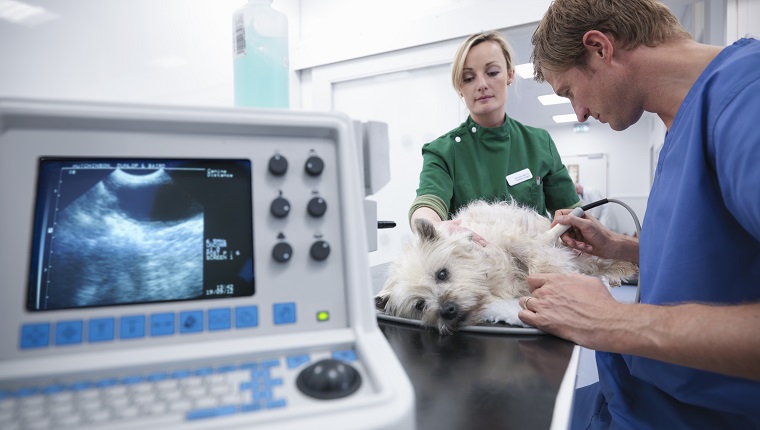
154, 250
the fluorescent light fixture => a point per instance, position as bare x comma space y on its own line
524, 71
559, 119
22, 13
552, 99
581, 127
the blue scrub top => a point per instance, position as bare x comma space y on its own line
700, 243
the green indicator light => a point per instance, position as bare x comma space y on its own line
323, 316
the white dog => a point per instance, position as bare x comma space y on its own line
447, 281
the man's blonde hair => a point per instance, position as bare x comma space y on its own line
558, 40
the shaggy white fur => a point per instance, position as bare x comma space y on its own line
447, 281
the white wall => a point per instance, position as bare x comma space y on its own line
146, 51
742, 19
628, 157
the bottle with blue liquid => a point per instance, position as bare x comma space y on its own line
261, 56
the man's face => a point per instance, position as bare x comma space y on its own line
599, 92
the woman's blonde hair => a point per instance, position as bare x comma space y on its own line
457, 68
558, 40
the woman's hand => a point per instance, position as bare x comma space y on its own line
455, 227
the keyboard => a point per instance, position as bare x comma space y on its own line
148, 397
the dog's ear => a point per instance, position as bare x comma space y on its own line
380, 301
425, 229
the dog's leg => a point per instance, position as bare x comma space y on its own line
503, 311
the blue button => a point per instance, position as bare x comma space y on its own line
80, 386
181, 374
204, 371
219, 319
101, 330
26, 392
155, 377
107, 382
210, 412
226, 368
276, 403
191, 322
250, 407
162, 324
52, 389
246, 316
35, 335
345, 355
297, 360
68, 332
132, 380
284, 313
131, 327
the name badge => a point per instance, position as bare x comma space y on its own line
521, 176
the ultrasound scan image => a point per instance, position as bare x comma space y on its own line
120, 236
131, 238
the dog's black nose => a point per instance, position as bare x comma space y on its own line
449, 310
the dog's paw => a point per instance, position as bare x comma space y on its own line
503, 311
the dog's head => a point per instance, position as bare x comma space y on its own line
439, 279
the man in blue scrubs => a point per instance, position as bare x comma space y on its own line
687, 356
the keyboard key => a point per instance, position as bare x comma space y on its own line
210, 412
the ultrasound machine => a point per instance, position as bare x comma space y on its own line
194, 268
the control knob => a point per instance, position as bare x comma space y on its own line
280, 207
317, 207
282, 252
320, 250
278, 165
314, 166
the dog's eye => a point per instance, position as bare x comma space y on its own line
442, 275
420, 305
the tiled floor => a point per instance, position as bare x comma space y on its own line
587, 360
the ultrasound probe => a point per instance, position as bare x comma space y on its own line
556, 231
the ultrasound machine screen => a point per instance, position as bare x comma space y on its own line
122, 231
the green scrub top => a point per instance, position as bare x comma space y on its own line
478, 163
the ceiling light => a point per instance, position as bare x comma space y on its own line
581, 127
22, 13
559, 119
525, 71
552, 99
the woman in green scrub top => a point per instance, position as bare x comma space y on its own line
490, 156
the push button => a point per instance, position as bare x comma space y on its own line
284, 313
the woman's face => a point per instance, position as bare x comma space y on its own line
484, 84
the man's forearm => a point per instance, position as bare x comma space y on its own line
718, 338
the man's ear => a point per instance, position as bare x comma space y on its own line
598, 45
425, 229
